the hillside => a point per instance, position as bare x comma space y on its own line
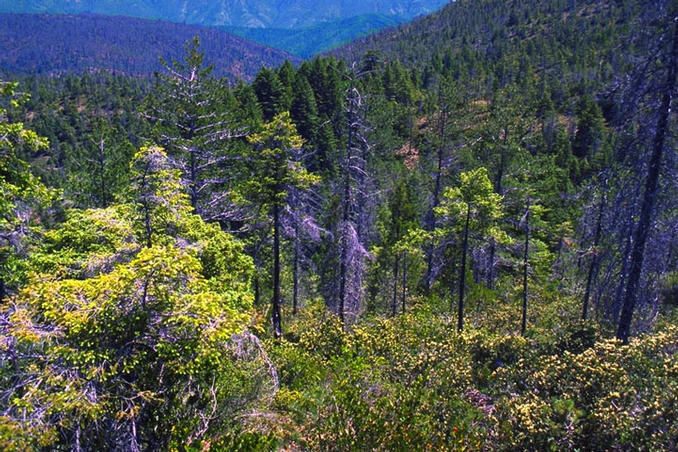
258, 13
58, 44
308, 41
506, 40
466, 239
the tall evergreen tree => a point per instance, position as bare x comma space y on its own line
194, 123
472, 206
276, 174
271, 93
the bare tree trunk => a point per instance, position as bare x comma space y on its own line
616, 307
502, 164
275, 315
76, 443
344, 248
295, 271
345, 203
431, 217
257, 294
147, 224
526, 254
669, 253
649, 197
593, 268
404, 299
556, 264
102, 178
490, 270
394, 300
453, 272
462, 273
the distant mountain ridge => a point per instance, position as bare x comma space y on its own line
240, 13
54, 44
308, 41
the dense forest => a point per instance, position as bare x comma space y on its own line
53, 45
460, 234
302, 27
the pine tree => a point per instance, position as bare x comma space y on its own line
651, 180
276, 174
270, 93
193, 123
304, 110
21, 193
472, 206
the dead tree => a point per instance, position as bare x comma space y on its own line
650, 187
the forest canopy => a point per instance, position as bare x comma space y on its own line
462, 237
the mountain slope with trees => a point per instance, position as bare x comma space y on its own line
308, 41
504, 42
475, 248
49, 44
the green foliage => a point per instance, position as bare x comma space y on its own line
276, 169
112, 338
475, 198
157, 194
271, 93
410, 384
130, 325
22, 195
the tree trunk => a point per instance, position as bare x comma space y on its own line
526, 254
102, 178
275, 315
394, 300
649, 197
594, 260
194, 181
490, 270
502, 164
669, 253
462, 273
257, 294
295, 276
404, 299
147, 224
344, 248
556, 264
616, 307
345, 204
432, 222
453, 272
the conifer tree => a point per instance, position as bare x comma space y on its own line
276, 174
304, 110
271, 94
472, 206
193, 122
651, 177
21, 193
403, 219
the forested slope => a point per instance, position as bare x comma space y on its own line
73, 44
308, 41
500, 42
475, 250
